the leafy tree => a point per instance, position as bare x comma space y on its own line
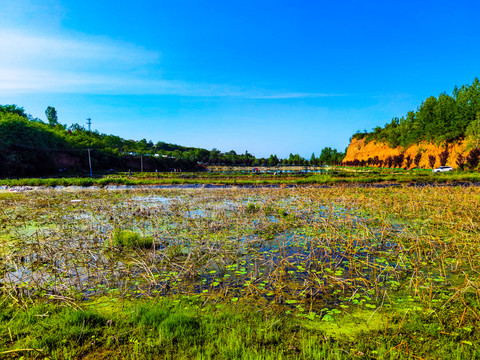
443, 157
460, 161
431, 160
445, 118
408, 161
76, 127
13, 109
273, 160
398, 160
473, 158
417, 159
473, 130
389, 161
330, 156
52, 117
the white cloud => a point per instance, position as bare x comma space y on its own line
77, 63
60, 63
53, 52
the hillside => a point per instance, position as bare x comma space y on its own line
442, 131
29, 147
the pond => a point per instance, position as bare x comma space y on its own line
283, 247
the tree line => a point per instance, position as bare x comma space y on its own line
32, 147
445, 118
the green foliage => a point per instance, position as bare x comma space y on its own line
446, 118
473, 131
51, 115
330, 156
12, 109
26, 147
130, 239
30, 147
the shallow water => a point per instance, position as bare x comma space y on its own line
274, 247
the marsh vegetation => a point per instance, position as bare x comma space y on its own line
272, 176
337, 272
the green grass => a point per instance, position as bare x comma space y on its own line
131, 239
187, 327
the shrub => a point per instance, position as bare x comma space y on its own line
251, 208
443, 157
398, 160
389, 161
127, 238
473, 158
417, 159
460, 161
408, 161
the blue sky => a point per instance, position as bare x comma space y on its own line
264, 76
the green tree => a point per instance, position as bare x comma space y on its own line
330, 156
273, 160
473, 131
52, 117
13, 109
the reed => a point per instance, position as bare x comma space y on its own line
342, 263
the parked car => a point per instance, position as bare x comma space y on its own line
442, 169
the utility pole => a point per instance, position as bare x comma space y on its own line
89, 123
90, 163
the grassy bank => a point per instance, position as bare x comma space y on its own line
189, 327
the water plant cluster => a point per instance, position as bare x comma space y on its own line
310, 272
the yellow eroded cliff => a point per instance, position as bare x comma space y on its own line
359, 150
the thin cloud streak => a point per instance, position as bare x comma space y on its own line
295, 95
96, 53
95, 65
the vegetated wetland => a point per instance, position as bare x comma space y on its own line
307, 273
271, 176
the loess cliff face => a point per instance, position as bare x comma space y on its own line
359, 150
